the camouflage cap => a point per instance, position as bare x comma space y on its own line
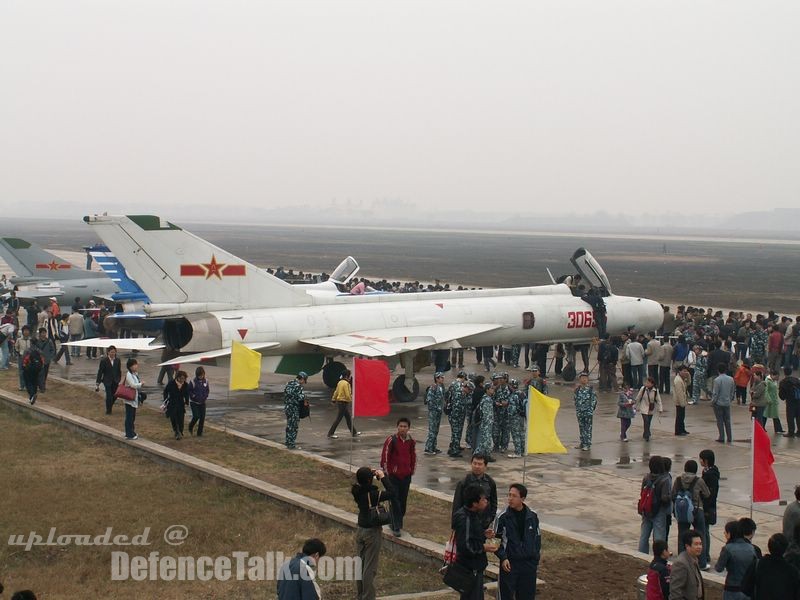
438, 374
470, 385
302, 375
496, 375
513, 383
461, 374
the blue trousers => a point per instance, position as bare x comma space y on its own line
130, 417
520, 583
657, 525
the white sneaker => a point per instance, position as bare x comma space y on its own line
514, 456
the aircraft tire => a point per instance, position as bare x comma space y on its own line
331, 373
400, 393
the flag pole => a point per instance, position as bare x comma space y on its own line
752, 462
353, 416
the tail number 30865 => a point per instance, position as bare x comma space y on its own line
580, 319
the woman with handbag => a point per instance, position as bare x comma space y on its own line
131, 404
372, 516
176, 399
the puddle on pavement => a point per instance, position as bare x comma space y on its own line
589, 462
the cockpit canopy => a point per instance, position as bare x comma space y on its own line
346, 270
590, 271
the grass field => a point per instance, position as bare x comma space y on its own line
54, 478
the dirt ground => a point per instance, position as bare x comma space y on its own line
567, 567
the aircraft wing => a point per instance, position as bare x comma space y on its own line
394, 341
144, 343
201, 356
39, 294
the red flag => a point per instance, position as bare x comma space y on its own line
370, 388
765, 484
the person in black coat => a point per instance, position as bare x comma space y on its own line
771, 577
109, 373
368, 536
176, 397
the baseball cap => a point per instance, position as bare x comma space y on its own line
438, 374
302, 375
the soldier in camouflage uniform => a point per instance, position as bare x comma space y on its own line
501, 396
435, 401
293, 397
585, 405
516, 349
485, 423
758, 344
469, 436
458, 400
516, 415
537, 381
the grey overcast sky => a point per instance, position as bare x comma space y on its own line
568, 105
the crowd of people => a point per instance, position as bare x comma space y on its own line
698, 355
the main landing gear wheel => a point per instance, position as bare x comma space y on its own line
400, 393
332, 372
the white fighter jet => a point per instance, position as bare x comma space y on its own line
210, 298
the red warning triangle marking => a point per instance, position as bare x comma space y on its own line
242, 332
440, 305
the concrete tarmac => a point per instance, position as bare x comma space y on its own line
593, 493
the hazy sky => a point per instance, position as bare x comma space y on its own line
645, 106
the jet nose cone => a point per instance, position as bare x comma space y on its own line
652, 315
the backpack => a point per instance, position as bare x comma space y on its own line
648, 503
521, 405
654, 590
32, 360
684, 505
448, 401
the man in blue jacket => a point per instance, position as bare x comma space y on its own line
296, 576
520, 548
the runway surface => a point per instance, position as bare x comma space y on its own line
696, 271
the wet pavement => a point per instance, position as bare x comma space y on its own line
593, 493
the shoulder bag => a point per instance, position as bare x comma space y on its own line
454, 575
378, 513
123, 392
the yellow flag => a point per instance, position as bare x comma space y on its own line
542, 436
245, 367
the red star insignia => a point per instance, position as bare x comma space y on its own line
53, 266
213, 268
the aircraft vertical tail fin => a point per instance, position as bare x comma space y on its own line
172, 265
128, 288
30, 261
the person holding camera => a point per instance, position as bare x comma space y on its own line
372, 516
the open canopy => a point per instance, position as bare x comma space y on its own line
590, 271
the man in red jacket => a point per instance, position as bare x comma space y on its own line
774, 348
398, 461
